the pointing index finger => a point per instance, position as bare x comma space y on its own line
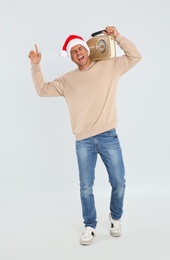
36, 48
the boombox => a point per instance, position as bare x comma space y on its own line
102, 47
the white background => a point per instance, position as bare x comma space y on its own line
39, 189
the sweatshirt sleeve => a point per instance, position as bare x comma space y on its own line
46, 89
131, 54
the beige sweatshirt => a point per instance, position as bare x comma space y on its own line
90, 94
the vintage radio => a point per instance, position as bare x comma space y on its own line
102, 47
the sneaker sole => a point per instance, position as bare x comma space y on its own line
86, 243
115, 234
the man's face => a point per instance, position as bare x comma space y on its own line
79, 55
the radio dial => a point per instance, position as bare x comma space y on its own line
101, 46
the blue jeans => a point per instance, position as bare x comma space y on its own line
108, 147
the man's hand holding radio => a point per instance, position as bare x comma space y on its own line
112, 31
35, 56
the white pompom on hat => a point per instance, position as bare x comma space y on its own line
71, 41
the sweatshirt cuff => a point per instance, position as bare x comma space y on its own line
118, 38
35, 66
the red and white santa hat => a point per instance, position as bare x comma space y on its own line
71, 41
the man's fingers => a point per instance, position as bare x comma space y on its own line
35, 55
31, 53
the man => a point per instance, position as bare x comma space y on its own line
90, 93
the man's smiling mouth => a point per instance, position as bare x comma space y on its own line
81, 57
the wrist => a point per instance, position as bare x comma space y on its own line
115, 36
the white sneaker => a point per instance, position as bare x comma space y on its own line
115, 229
87, 236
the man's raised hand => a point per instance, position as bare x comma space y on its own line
35, 55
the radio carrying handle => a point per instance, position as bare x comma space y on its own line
98, 32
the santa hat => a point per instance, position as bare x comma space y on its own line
71, 41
